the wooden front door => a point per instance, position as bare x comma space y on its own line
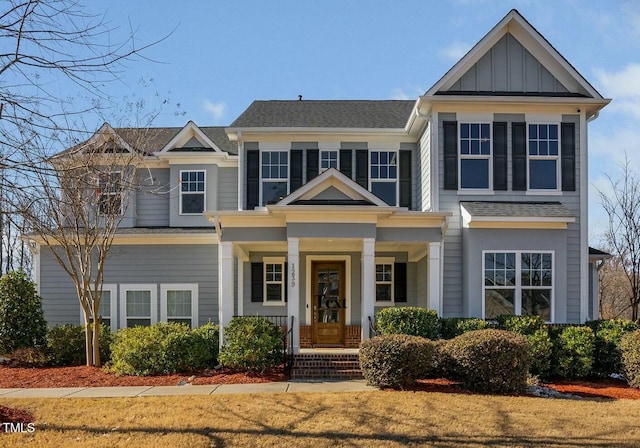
328, 303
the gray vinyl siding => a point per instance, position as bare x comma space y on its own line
508, 67
211, 196
227, 189
421, 281
136, 264
454, 287
152, 201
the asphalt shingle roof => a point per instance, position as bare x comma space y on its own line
150, 140
518, 209
359, 114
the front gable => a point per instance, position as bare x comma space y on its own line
190, 139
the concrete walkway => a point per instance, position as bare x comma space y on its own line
188, 389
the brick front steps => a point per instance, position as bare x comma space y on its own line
327, 366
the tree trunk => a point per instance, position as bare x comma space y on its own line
88, 337
96, 343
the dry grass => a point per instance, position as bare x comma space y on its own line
371, 419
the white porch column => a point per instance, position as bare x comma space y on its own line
434, 277
293, 300
225, 286
240, 286
368, 284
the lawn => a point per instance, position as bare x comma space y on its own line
370, 419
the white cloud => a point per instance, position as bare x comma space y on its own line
407, 94
624, 87
455, 50
216, 110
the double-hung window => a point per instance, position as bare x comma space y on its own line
275, 174
384, 175
107, 311
328, 159
475, 156
518, 283
179, 303
192, 192
544, 157
139, 306
110, 193
384, 281
274, 281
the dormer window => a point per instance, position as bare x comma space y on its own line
274, 169
192, 192
475, 156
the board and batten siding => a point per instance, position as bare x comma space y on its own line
454, 288
136, 264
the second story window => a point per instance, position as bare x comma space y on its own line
475, 156
328, 159
384, 176
544, 157
192, 192
110, 193
274, 169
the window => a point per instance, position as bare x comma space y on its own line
274, 281
107, 311
544, 157
179, 303
384, 281
275, 173
139, 306
110, 193
328, 159
475, 156
518, 283
192, 188
384, 175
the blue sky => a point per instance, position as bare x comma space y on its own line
222, 55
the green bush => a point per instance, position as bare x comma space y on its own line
28, 357
395, 360
630, 348
251, 343
540, 349
490, 360
573, 351
66, 345
607, 358
524, 325
210, 336
442, 363
450, 327
409, 320
160, 349
22, 322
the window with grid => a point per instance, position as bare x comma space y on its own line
328, 159
179, 306
138, 308
274, 169
384, 175
274, 282
544, 157
519, 283
110, 193
192, 192
104, 310
384, 282
475, 156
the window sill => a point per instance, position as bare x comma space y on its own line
476, 192
192, 214
274, 303
384, 304
543, 193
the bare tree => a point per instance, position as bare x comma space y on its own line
614, 290
73, 211
621, 202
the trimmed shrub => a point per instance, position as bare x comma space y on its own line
535, 331
442, 363
630, 348
159, 349
22, 321
66, 345
210, 336
524, 325
28, 357
573, 351
408, 320
607, 358
450, 327
251, 343
490, 360
395, 360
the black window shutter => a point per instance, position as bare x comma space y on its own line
313, 163
346, 163
519, 162
450, 133
362, 167
405, 179
568, 149
400, 282
257, 282
253, 178
499, 156
295, 173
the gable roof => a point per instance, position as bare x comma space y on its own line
531, 39
181, 141
355, 114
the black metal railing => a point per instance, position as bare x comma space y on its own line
287, 345
372, 327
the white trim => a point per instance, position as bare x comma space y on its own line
584, 220
113, 305
488, 158
347, 283
395, 181
189, 131
262, 180
283, 281
434, 273
556, 158
204, 192
518, 277
111, 193
390, 261
191, 287
152, 288
292, 283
